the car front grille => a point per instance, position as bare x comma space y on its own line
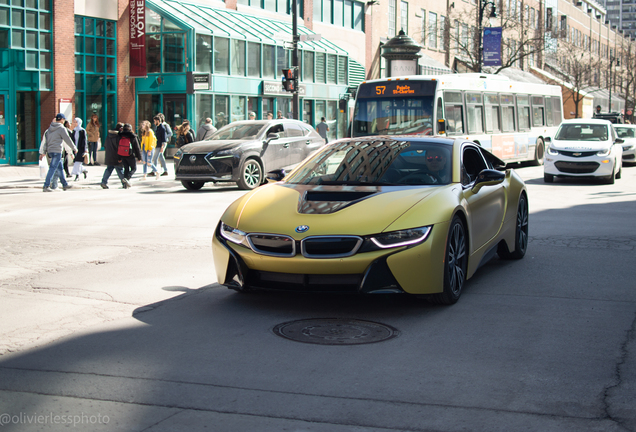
344, 283
577, 167
194, 164
629, 156
577, 153
310, 247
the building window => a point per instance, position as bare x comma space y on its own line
253, 59
308, 66
432, 30
26, 28
404, 16
204, 53
95, 71
221, 56
165, 51
269, 61
331, 69
320, 67
392, 7
237, 57
343, 72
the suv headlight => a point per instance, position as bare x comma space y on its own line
406, 237
232, 234
552, 151
602, 153
178, 154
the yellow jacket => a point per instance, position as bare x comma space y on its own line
148, 142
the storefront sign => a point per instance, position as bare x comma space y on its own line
276, 88
137, 50
198, 81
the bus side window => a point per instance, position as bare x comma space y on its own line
440, 111
508, 123
454, 119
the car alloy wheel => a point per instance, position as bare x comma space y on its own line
455, 264
251, 175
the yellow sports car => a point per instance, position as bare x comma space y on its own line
414, 215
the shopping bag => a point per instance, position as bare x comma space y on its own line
44, 168
86, 159
99, 144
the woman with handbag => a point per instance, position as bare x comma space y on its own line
184, 134
79, 137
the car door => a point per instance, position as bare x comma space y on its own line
275, 151
296, 142
486, 207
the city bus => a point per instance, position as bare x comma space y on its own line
508, 118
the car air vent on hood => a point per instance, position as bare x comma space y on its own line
337, 196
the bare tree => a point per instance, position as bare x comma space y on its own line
522, 39
574, 66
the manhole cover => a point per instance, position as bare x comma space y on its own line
335, 331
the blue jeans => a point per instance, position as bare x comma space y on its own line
158, 154
109, 170
55, 167
92, 151
146, 156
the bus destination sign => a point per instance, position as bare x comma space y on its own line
397, 88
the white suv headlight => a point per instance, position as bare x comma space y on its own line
602, 153
552, 151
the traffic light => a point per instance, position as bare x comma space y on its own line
289, 80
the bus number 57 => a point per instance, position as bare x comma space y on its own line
380, 90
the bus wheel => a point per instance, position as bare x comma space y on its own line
539, 153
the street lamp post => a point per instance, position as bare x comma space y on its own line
612, 60
493, 14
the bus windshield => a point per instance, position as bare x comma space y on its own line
393, 116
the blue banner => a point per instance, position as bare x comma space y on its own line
492, 46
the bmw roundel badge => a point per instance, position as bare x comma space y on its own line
193, 158
302, 228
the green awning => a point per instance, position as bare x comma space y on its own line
222, 22
357, 73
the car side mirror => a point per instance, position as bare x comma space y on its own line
276, 175
488, 177
272, 136
619, 141
547, 139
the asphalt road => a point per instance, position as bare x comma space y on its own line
111, 320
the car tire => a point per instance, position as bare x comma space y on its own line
455, 264
251, 175
619, 174
610, 178
548, 178
539, 153
521, 233
192, 185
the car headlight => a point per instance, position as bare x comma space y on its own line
178, 154
602, 153
232, 234
552, 151
223, 154
400, 238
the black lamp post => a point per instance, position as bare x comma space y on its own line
612, 60
493, 14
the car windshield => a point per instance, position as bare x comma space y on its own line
377, 163
582, 132
624, 132
238, 132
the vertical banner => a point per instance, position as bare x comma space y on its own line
137, 49
492, 46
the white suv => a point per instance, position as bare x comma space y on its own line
584, 148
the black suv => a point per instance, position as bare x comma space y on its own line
612, 117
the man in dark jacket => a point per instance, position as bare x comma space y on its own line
162, 143
112, 159
206, 130
130, 162
55, 136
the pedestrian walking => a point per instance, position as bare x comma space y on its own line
220, 120
322, 128
206, 130
56, 135
167, 127
162, 143
184, 134
92, 133
112, 159
79, 137
134, 154
148, 144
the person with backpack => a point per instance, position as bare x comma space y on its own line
112, 158
129, 151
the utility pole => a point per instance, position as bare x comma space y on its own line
295, 39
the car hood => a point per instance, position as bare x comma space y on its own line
209, 146
280, 208
581, 145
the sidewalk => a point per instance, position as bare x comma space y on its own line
28, 176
